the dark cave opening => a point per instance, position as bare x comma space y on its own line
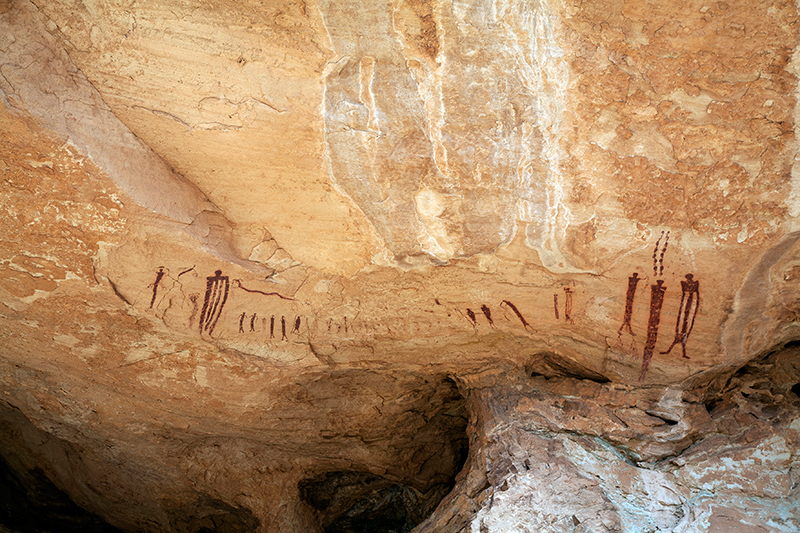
550, 365
361, 502
31, 503
209, 515
29, 500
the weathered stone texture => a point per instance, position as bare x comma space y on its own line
319, 266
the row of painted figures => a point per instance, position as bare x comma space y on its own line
218, 287
690, 303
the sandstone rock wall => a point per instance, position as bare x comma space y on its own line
538, 259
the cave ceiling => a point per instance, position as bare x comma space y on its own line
257, 226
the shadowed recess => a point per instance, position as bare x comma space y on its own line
353, 501
551, 365
30, 502
210, 515
762, 384
359, 501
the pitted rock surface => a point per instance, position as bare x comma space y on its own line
422, 264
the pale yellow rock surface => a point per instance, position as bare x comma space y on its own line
263, 260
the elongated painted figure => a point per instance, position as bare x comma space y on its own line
159, 275
690, 303
633, 280
568, 305
656, 301
217, 287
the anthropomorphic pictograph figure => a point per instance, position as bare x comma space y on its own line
217, 287
656, 301
159, 276
633, 281
193, 298
690, 302
488, 314
472, 317
568, 305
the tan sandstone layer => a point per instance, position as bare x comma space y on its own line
264, 261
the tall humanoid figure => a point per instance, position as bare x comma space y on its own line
217, 287
656, 301
690, 303
633, 280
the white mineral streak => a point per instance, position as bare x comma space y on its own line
375, 145
485, 106
445, 145
546, 74
546, 496
528, 505
760, 473
433, 235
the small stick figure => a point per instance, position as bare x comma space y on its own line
488, 314
193, 298
159, 275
